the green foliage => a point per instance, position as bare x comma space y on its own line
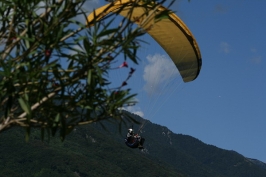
54, 70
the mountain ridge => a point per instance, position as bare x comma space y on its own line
99, 150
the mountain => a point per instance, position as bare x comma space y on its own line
99, 150
257, 162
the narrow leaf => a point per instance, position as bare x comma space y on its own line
89, 77
24, 105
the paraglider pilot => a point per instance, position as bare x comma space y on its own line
134, 140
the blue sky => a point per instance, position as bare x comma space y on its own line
226, 105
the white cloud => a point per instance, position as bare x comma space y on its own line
158, 72
255, 58
135, 110
219, 8
253, 50
225, 47
139, 113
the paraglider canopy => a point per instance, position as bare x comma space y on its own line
171, 33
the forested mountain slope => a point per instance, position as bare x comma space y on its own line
96, 151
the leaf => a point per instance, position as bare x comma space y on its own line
27, 134
50, 65
163, 15
59, 33
27, 39
87, 45
55, 124
56, 120
24, 105
70, 65
26, 97
107, 32
85, 107
89, 77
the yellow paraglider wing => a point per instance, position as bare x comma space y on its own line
171, 33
